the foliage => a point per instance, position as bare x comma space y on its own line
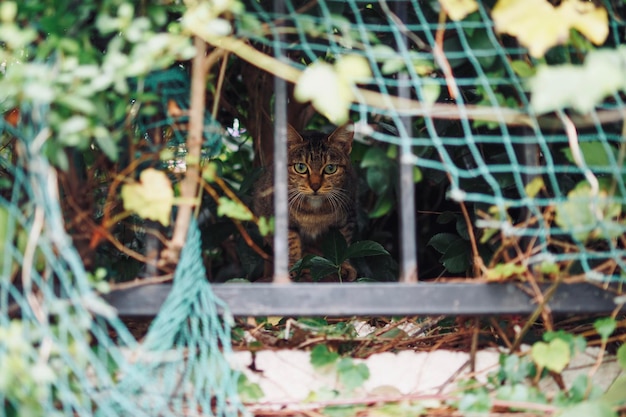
338, 79
83, 73
335, 252
539, 25
151, 198
600, 73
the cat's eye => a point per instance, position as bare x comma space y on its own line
300, 168
330, 169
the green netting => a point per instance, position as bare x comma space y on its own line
481, 129
63, 350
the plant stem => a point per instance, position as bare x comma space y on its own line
189, 185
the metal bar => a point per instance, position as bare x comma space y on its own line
376, 299
281, 213
408, 246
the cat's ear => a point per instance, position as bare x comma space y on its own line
293, 137
342, 137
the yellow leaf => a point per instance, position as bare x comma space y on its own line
539, 26
329, 93
151, 198
591, 21
353, 68
458, 9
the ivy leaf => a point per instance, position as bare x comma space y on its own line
248, 391
151, 198
538, 25
333, 101
605, 327
321, 356
458, 9
577, 215
352, 375
353, 68
600, 74
553, 356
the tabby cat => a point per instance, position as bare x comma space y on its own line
321, 191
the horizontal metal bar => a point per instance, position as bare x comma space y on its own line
374, 299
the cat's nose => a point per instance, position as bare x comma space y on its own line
315, 186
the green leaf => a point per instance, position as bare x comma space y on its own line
523, 69
334, 246
553, 356
106, 143
605, 327
505, 271
378, 180
342, 410
577, 215
583, 389
233, 209
352, 375
478, 401
417, 174
621, 356
321, 267
594, 153
375, 157
266, 226
248, 391
317, 322
364, 248
576, 343
430, 90
383, 205
457, 256
616, 394
589, 409
534, 187
442, 241
321, 357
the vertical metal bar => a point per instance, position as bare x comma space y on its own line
408, 246
281, 213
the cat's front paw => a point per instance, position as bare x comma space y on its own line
348, 273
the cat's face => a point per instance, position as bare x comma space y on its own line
319, 169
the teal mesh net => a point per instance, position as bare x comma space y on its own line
63, 350
472, 117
